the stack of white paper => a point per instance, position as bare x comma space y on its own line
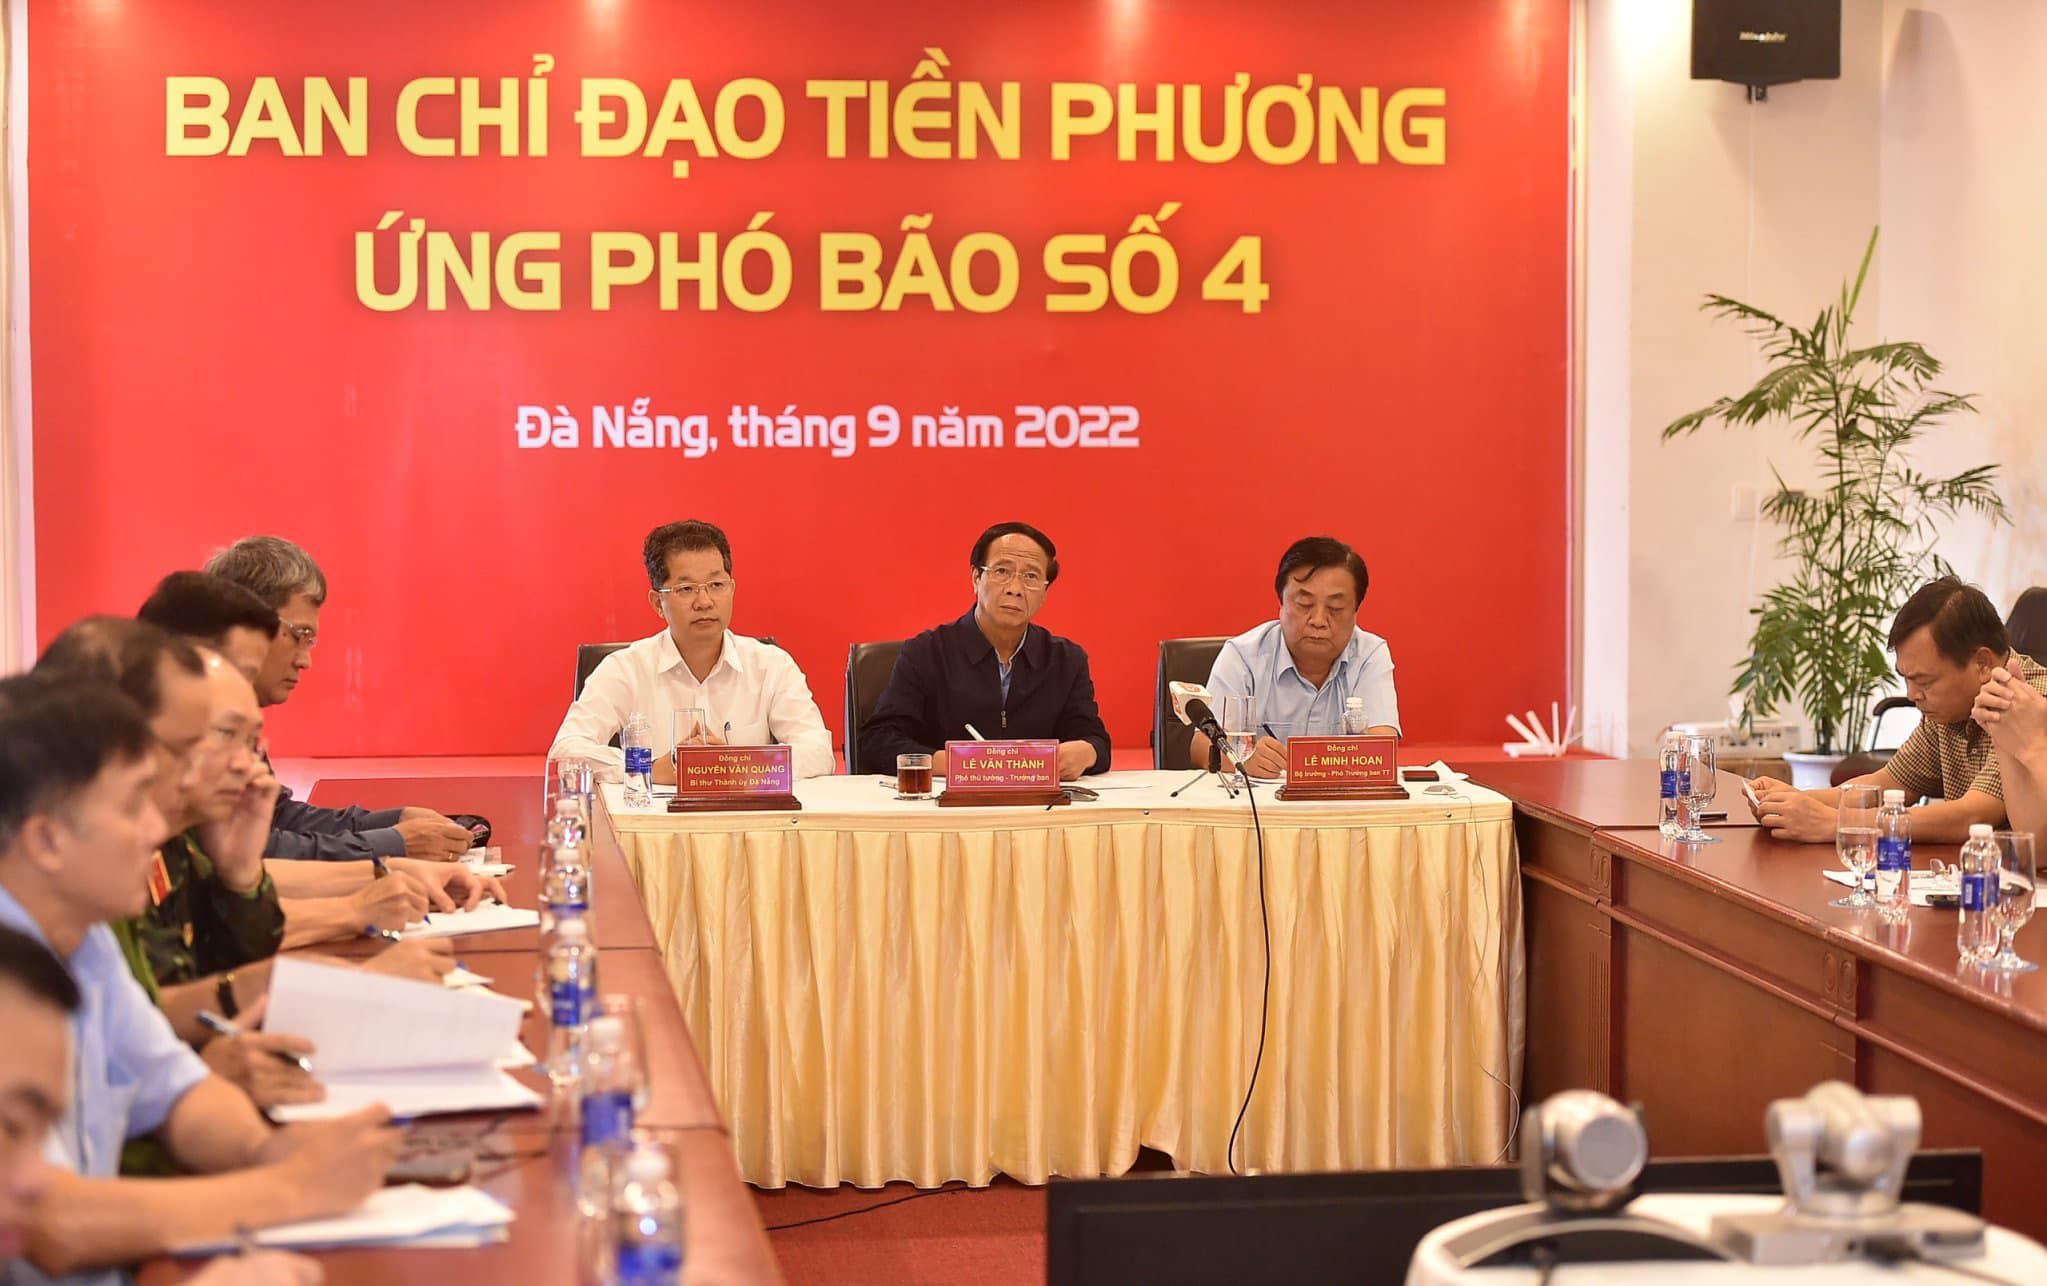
409, 1215
417, 1047
484, 917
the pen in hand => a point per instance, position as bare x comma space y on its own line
222, 1027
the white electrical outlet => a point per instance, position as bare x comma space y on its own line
1746, 503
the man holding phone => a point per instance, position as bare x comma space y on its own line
1949, 642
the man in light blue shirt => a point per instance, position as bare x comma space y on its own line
1304, 667
79, 829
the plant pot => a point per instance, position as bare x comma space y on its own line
1810, 771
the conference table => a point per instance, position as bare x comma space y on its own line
890, 990
1703, 981
527, 1159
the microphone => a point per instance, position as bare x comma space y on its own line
1181, 693
1190, 702
1203, 720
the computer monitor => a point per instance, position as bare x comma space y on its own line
1349, 1226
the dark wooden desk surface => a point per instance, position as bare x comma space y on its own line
725, 1241
1704, 981
513, 806
1597, 794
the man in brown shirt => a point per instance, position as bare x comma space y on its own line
1949, 641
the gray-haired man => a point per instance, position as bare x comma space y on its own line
287, 579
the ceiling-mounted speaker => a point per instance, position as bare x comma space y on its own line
1759, 43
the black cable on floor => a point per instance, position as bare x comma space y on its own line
1265, 1002
879, 1205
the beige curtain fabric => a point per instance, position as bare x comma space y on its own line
1042, 997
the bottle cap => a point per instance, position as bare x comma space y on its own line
1894, 799
571, 930
647, 1165
1981, 830
607, 1031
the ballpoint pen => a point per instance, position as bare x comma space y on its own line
372, 931
222, 1027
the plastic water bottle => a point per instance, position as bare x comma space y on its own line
1976, 939
570, 967
638, 739
1669, 788
565, 890
646, 1221
568, 823
1354, 723
1893, 857
609, 1081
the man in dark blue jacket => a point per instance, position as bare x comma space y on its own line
992, 669
289, 582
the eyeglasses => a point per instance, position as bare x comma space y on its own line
1031, 578
715, 588
303, 635
228, 738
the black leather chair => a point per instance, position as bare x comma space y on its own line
588, 657
1184, 661
2027, 624
868, 666
1864, 762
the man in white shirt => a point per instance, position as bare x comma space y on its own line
751, 692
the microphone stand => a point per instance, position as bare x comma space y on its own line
1215, 765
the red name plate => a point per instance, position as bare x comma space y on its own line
733, 770
1021, 766
1343, 768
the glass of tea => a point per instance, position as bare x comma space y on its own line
913, 776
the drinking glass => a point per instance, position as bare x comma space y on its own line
1697, 782
692, 724
1855, 841
2016, 880
569, 775
1239, 716
913, 776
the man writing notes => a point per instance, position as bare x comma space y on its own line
751, 692
1950, 643
78, 829
1304, 667
992, 669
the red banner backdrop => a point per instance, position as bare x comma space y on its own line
1216, 275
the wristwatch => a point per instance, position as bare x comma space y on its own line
224, 995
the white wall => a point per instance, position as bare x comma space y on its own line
1964, 204
1693, 190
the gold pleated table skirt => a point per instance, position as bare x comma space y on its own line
882, 991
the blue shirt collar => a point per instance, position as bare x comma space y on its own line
1343, 658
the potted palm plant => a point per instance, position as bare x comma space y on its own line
1862, 538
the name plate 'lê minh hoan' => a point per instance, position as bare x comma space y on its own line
1343, 768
